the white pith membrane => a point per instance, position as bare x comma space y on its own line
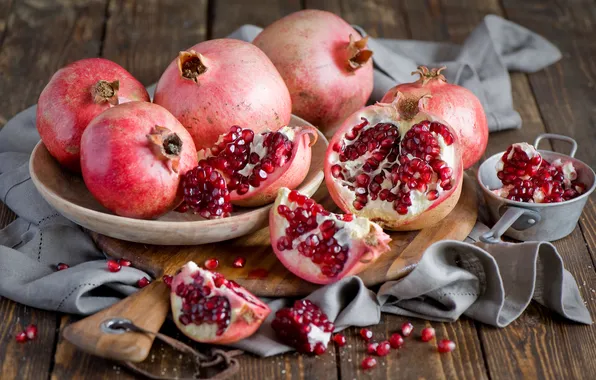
238, 305
256, 146
347, 234
378, 209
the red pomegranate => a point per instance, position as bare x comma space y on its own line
257, 166
132, 158
319, 246
208, 308
220, 83
456, 105
324, 62
74, 96
396, 165
528, 177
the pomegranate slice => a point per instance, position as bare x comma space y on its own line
396, 165
320, 246
208, 308
256, 166
527, 177
304, 327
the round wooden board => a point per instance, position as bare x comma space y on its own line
406, 250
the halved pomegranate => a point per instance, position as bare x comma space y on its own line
528, 177
256, 166
208, 308
319, 246
396, 165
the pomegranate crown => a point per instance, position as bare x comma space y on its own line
166, 145
191, 65
358, 55
427, 75
408, 106
104, 91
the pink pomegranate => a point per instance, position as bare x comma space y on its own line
320, 246
324, 62
256, 166
74, 96
208, 308
304, 327
132, 157
396, 165
220, 83
528, 177
456, 105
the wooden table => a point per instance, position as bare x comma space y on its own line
38, 37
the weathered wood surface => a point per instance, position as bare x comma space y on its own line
38, 37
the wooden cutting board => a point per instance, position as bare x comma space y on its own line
265, 276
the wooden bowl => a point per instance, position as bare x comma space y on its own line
68, 194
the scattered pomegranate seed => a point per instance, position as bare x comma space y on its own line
143, 282
427, 334
383, 348
62, 266
125, 263
366, 334
371, 348
406, 329
239, 262
320, 349
21, 337
396, 340
211, 263
167, 279
31, 331
339, 339
446, 345
114, 266
369, 362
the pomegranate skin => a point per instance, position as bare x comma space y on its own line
457, 105
310, 50
121, 167
66, 105
238, 86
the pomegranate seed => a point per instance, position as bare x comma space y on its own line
239, 262
21, 337
167, 279
366, 334
211, 263
125, 263
206, 192
114, 266
445, 345
427, 334
368, 363
383, 348
31, 331
371, 348
339, 339
320, 349
406, 329
62, 266
396, 340
143, 282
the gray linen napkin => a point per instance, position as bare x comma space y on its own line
40, 238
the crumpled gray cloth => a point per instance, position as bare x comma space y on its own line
480, 64
453, 278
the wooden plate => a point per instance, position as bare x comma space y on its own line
67, 194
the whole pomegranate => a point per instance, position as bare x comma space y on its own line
528, 177
220, 83
456, 105
256, 166
208, 308
132, 158
74, 96
324, 62
319, 246
397, 165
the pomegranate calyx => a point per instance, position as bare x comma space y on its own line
166, 145
104, 91
408, 106
427, 75
358, 55
191, 65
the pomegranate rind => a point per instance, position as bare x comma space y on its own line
246, 317
433, 212
367, 242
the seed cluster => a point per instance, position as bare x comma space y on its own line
206, 193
